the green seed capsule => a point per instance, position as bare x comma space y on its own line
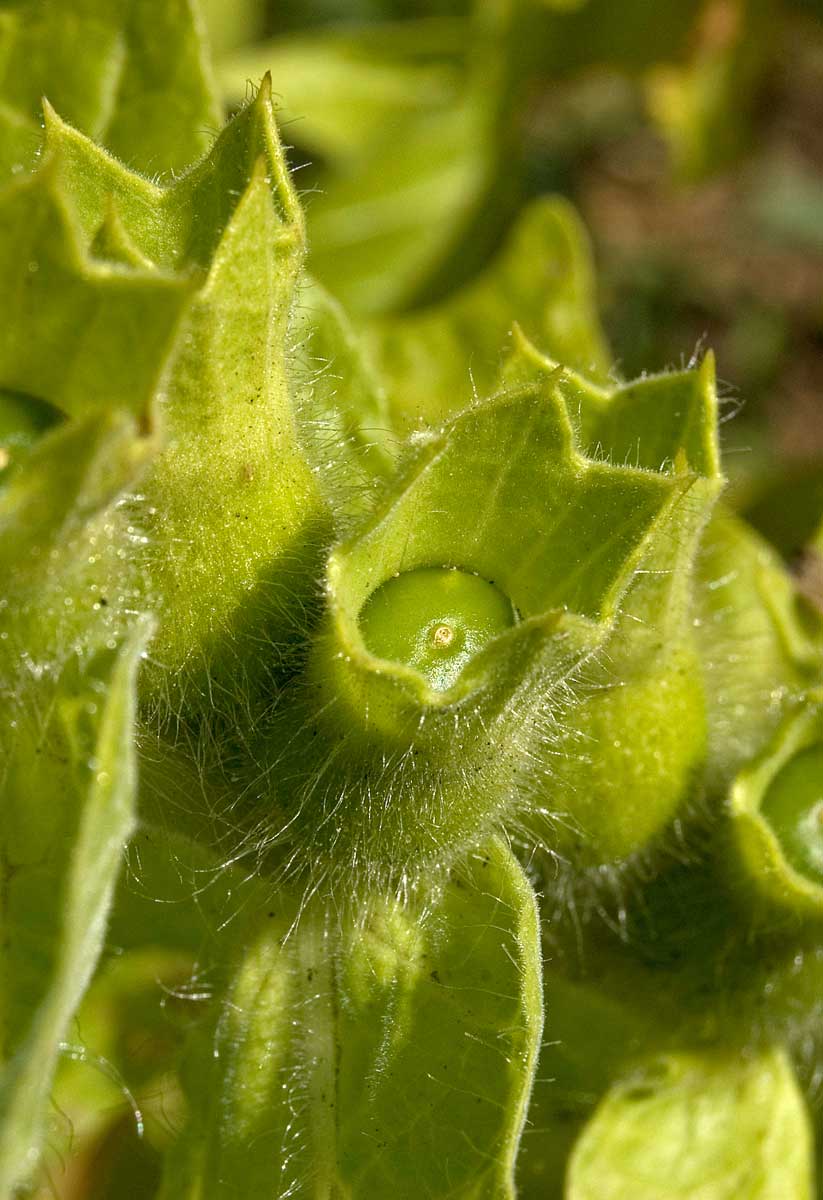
434, 619
793, 807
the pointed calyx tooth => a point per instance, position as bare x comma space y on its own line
434, 619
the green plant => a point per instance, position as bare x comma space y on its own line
412, 710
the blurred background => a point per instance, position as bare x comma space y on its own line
688, 134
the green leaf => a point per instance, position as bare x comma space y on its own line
435, 360
233, 496
65, 590
518, 451
68, 807
390, 1055
184, 317
702, 1127
179, 225
107, 326
106, 64
68, 663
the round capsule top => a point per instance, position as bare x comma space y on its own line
793, 807
434, 619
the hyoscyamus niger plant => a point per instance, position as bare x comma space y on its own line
464, 753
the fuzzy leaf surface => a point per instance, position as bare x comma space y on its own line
68, 807
406, 1042
647, 702
82, 333
68, 670
181, 300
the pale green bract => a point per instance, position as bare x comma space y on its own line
355, 1029
408, 661
700, 1109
